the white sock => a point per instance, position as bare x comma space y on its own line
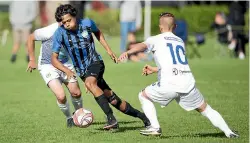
77, 102
149, 110
216, 119
65, 109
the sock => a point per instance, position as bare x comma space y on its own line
65, 109
116, 102
77, 102
150, 111
133, 112
216, 119
103, 103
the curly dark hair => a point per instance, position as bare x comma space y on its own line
63, 10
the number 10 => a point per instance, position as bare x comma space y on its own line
178, 48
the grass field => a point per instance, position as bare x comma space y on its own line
29, 112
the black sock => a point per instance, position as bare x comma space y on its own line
103, 103
129, 110
133, 112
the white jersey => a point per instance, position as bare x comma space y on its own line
169, 54
45, 35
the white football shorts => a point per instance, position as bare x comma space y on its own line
49, 72
188, 101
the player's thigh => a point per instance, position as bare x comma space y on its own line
160, 95
95, 71
48, 73
56, 87
63, 76
190, 101
73, 88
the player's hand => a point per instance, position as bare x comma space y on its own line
31, 66
113, 56
70, 74
147, 70
123, 57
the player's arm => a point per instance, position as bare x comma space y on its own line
134, 48
41, 34
31, 51
100, 37
57, 42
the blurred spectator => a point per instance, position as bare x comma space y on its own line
79, 5
138, 56
43, 15
98, 6
236, 19
222, 28
51, 9
22, 14
181, 29
130, 21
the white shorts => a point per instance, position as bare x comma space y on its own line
49, 72
188, 101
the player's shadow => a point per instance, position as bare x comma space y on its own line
120, 122
121, 127
202, 135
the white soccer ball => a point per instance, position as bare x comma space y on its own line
83, 118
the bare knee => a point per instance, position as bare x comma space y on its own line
202, 107
76, 93
90, 85
61, 99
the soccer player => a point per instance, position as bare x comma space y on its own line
76, 37
175, 79
52, 76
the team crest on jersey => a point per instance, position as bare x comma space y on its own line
48, 75
85, 34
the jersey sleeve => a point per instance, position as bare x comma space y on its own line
46, 32
93, 26
150, 44
57, 41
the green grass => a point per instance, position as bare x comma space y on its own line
29, 112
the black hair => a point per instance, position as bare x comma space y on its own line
63, 10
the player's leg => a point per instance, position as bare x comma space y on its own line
16, 44
150, 111
158, 94
94, 73
216, 119
50, 76
73, 88
91, 85
75, 93
194, 100
120, 104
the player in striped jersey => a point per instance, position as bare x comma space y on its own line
52, 76
76, 37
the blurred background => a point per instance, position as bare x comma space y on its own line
210, 29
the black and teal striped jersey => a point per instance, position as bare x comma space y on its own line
79, 44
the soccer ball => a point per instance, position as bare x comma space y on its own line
83, 118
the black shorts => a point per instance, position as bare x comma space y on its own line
96, 69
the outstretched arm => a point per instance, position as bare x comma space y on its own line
134, 48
